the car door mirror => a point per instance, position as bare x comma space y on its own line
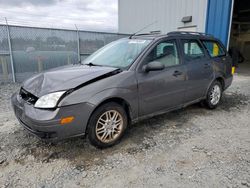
153, 66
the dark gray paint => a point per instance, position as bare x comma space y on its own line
60, 79
160, 90
146, 93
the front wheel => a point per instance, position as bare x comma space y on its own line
214, 95
107, 125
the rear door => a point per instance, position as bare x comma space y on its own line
219, 58
164, 89
199, 69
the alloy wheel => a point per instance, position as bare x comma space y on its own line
215, 95
109, 126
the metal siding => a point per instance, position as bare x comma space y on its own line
135, 14
218, 19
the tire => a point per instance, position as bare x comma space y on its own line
107, 125
214, 95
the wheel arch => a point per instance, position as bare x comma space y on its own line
218, 78
117, 100
221, 80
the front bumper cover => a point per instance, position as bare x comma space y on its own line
45, 123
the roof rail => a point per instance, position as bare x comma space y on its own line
188, 33
155, 32
150, 33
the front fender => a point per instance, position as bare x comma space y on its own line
127, 95
122, 85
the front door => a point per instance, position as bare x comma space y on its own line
164, 89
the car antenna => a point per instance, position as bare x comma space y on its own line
142, 29
78, 45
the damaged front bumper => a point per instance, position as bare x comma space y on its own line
45, 123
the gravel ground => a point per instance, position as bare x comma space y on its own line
192, 147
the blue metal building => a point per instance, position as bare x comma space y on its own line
228, 20
209, 16
219, 19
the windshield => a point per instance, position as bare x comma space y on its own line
120, 54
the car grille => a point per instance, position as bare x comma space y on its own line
27, 96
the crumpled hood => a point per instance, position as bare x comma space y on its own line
64, 78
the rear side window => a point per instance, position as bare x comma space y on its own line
192, 49
214, 48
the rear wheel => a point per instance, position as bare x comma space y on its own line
107, 125
214, 95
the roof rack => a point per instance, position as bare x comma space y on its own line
150, 33
188, 33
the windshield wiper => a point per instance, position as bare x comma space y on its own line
92, 64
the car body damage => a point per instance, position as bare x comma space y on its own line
66, 78
126, 81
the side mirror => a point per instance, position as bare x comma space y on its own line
153, 66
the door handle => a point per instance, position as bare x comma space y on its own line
177, 73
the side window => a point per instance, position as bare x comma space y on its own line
214, 48
192, 50
165, 52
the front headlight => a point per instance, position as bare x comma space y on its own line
49, 100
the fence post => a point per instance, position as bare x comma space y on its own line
10, 51
78, 44
4, 68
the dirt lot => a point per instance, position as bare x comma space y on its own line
193, 147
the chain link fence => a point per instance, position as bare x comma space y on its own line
37, 49
5, 66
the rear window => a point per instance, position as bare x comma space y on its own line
214, 48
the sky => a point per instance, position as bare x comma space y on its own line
93, 15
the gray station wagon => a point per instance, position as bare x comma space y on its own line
125, 81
